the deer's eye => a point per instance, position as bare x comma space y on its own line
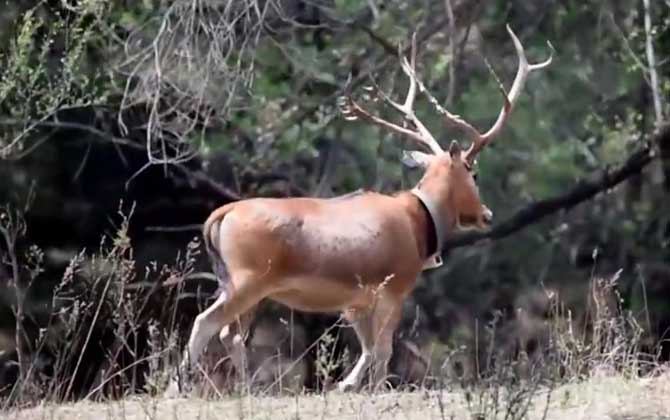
467, 220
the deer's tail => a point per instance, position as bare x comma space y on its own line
211, 236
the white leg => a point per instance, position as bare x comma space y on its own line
363, 330
234, 343
384, 321
375, 333
354, 378
204, 327
381, 357
226, 309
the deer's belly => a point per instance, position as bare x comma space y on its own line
323, 295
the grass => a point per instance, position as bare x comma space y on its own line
587, 369
601, 397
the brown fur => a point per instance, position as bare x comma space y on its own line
360, 255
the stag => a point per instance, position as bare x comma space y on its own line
359, 255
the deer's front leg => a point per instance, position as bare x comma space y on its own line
363, 327
375, 332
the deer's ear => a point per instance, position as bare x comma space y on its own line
414, 159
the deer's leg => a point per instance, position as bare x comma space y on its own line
228, 308
216, 318
375, 332
363, 327
234, 336
384, 322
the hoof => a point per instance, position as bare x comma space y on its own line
346, 386
238, 340
172, 391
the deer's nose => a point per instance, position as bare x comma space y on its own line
487, 215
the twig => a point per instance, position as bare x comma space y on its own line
452, 52
205, 179
12, 227
629, 48
323, 185
388, 48
651, 59
183, 228
74, 126
374, 10
88, 337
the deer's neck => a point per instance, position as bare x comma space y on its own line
430, 223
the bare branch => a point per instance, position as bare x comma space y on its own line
203, 178
173, 229
651, 59
189, 71
74, 126
12, 228
629, 48
452, 52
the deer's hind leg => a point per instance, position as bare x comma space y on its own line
231, 304
228, 308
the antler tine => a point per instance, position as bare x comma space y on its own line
509, 98
409, 68
449, 118
353, 110
411, 91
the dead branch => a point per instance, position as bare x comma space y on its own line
200, 177
190, 69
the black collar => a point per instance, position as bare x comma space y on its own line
435, 259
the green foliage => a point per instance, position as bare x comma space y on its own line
47, 69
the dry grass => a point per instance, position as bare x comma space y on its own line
601, 397
590, 368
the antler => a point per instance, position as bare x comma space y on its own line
420, 134
481, 140
510, 99
353, 111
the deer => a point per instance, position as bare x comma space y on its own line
359, 255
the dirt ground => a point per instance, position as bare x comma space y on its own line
603, 397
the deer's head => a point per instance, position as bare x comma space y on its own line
448, 179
